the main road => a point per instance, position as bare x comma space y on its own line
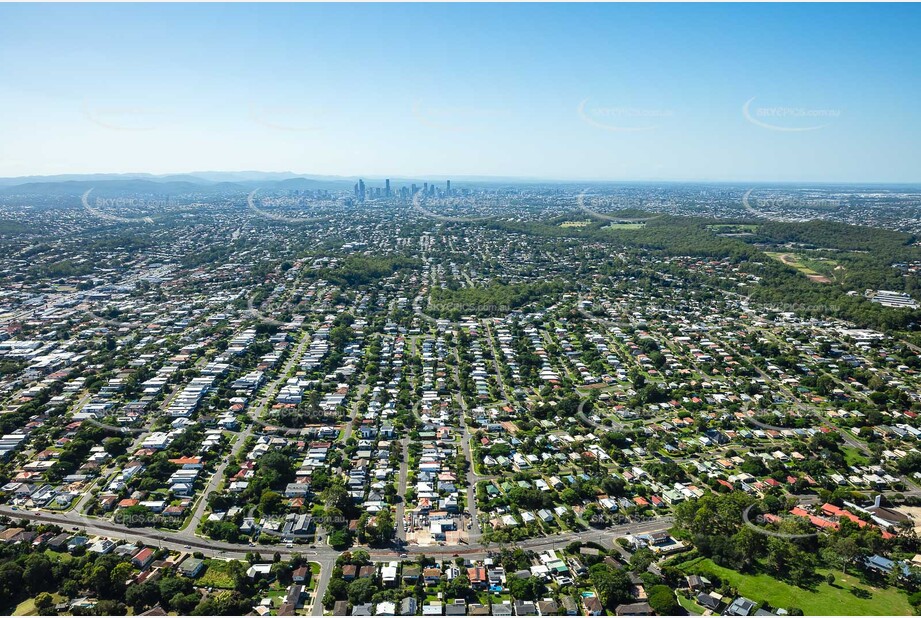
325, 556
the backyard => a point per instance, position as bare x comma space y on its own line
217, 574
836, 599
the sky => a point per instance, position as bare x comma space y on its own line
768, 93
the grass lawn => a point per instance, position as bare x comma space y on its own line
277, 596
58, 556
485, 597
314, 575
27, 607
57, 508
217, 574
826, 600
853, 457
690, 605
626, 226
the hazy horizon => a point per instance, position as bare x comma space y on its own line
400, 177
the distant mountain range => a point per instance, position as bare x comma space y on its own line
209, 183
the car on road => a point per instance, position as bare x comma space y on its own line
187, 546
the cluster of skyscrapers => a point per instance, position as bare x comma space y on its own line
363, 192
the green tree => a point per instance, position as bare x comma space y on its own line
119, 577
11, 580
384, 527
612, 584
171, 586
641, 559
458, 588
662, 600
340, 539
108, 607
270, 503
43, 602
37, 574
361, 590
847, 550
184, 603
527, 589
142, 596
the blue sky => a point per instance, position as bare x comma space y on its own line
823, 93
